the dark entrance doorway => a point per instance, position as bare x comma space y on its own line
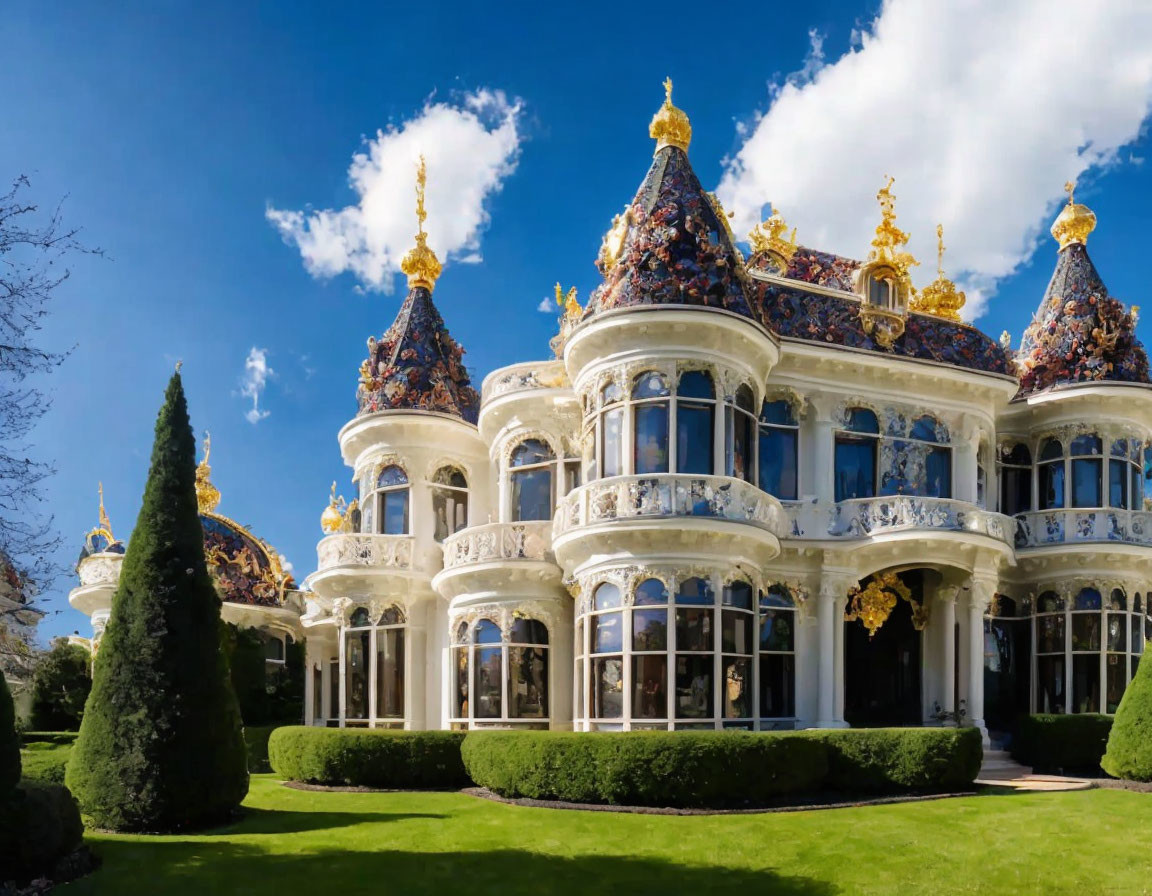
882, 673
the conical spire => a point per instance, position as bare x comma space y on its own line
672, 245
1079, 333
420, 262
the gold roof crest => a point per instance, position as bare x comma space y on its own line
1074, 222
889, 242
420, 262
940, 297
769, 237
670, 126
207, 495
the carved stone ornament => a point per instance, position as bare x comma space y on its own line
504, 614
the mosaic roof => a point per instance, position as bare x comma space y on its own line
671, 246
812, 266
799, 314
417, 365
1079, 334
246, 570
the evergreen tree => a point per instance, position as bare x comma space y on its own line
160, 745
9, 743
60, 686
1129, 753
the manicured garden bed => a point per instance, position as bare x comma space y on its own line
296, 842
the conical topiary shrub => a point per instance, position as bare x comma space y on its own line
9, 743
160, 745
1129, 753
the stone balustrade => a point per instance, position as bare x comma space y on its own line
524, 377
100, 569
1039, 528
669, 495
500, 541
382, 551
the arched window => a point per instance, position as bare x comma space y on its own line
1050, 475
741, 426
937, 459
650, 651
650, 403
1125, 477
606, 646
738, 646
1116, 664
695, 423
391, 498
374, 668
1087, 467
449, 502
1050, 653
487, 665
509, 674
880, 289
777, 654
856, 455
273, 650
532, 466
779, 450
694, 649
1015, 479
610, 436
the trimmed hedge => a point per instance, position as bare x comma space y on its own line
1129, 752
256, 742
1053, 743
891, 760
9, 742
61, 738
45, 763
368, 757
653, 768
39, 825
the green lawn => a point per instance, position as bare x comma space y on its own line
294, 842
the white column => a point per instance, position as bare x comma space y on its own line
343, 675
979, 597
309, 682
948, 647
966, 454
830, 638
823, 436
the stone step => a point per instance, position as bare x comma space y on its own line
999, 764
996, 754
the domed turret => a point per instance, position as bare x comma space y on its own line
100, 539
1079, 333
672, 244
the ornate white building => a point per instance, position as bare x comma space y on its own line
775, 492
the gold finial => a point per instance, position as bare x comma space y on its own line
420, 262
768, 237
568, 302
207, 495
105, 524
889, 242
670, 126
940, 297
1074, 222
572, 314
332, 519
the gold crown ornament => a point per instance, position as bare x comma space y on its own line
1074, 222
670, 126
420, 262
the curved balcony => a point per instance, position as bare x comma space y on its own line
99, 575
350, 563
1100, 525
630, 513
524, 377
499, 558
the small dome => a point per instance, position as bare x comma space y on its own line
245, 569
1074, 222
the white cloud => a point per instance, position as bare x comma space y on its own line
470, 144
547, 305
980, 109
252, 384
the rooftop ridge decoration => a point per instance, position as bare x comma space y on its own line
1080, 333
670, 125
940, 297
767, 240
889, 242
1074, 222
207, 495
420, 262
572, 312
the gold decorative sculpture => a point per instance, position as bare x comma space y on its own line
670, 126
1074, 222
874, 603
889, 242
568, 321
207, 495
940, 297
612, 244
332, 519
420, 262
768, 238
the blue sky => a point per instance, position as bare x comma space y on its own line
173, 129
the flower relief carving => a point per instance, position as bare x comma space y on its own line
380, 462
504, 615
798, 402
442, 461
341, 606
513, 441
377, 606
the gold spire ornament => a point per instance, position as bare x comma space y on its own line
568, 302
420, 262
105, 523
332, 519
670, 126
940, 297
1074, 222
568, 321
207, 495
889, 242
768, 238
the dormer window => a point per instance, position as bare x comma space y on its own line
880, 290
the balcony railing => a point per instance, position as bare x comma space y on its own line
867, 517
524, 377
499, 541
100, 569
377, 551
669, 495
1039, 528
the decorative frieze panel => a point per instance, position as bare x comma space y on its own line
868, 517
100, 569
500, 541
383, 551
1040, 528
526, 377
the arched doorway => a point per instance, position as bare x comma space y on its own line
882, 673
